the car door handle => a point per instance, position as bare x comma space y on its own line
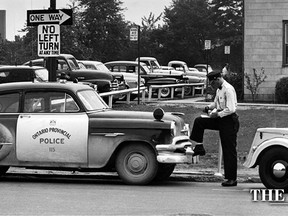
25, 116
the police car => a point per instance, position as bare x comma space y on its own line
67, 126
269, 150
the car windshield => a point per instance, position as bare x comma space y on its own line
73, 63
102, 67
145, 68
91, 100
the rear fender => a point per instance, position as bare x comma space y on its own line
256, 151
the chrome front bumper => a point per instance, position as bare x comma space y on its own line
167, 154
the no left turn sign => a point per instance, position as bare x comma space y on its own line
48, 40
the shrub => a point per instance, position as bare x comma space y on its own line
236, 80
281, 91
254, 80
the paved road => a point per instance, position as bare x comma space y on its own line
73, 195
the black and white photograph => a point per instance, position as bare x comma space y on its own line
143, 107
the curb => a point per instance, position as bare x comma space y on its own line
177, 175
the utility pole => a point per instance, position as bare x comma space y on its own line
51, 63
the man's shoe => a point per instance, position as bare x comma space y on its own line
199, 150
229, 183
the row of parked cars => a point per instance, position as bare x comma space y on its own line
111, 76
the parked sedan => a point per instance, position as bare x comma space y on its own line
67, 126
194, 76
124, 83
151, 78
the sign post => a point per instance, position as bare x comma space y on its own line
48, 22
135, 36
207, 47
227, 52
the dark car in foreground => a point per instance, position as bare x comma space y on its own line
67, 126
23, 73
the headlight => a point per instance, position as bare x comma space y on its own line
173, 128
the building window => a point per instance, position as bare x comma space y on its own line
285, 43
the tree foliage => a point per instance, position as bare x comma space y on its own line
189, 24
105, 28
99, 32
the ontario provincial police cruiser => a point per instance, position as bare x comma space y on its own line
67, 126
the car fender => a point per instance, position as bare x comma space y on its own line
254, 154
99, 155
102, 85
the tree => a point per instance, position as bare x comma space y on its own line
228, 17
189, 24
105, 31
72, 35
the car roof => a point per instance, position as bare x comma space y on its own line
21, 67
126, 62
90, 61
147, 58
176, 62
74, 87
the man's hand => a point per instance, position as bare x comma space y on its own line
206, 109
214, 114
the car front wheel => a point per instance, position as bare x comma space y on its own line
273, 168
137, 164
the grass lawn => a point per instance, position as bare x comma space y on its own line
250, 120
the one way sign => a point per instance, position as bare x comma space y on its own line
61, 17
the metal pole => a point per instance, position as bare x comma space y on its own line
207, 83
51, 63
138, 65
218, 173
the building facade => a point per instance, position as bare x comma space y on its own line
2, 24
265, 44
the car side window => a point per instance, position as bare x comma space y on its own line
63, 103
9, 103
49, 102
62, 65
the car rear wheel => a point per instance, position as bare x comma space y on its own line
164, 171
165, 92
273, 168
137, 164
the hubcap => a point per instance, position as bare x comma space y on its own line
136, 163
165, 91
279, 169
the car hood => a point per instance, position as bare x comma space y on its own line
127, 119
88, 74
